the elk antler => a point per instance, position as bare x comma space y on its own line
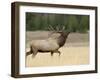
60, 29
57, 28
63, 28
51, 28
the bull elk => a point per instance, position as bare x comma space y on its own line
50, 44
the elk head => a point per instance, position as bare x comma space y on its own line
63, 34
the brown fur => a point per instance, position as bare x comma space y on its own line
60, 42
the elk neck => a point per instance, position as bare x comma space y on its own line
62, 39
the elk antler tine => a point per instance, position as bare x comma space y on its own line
51, 28
63, 28
57, 28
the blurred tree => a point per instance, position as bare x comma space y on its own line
84, 24
73, 23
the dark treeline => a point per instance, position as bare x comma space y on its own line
41, 21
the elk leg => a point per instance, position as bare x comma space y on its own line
58, 52
30, 52
34, 52
51, 53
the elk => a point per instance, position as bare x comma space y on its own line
50, 44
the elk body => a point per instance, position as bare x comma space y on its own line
51, 45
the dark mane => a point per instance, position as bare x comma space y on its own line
62, 38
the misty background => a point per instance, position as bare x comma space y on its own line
41, 21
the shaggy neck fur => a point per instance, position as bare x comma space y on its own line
62, 39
